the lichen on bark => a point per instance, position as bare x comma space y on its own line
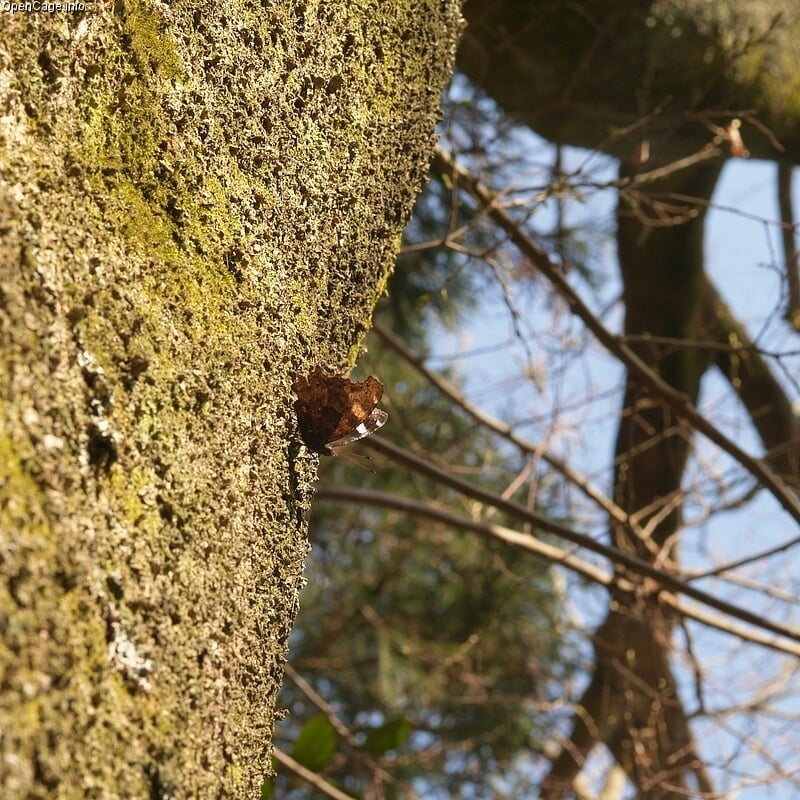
196, 203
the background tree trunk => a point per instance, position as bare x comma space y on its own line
196, 204
658, 78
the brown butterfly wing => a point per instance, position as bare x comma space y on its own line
376, 419
329, 407
354, 402
314, 417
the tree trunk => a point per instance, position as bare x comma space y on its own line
632, 704
196, 205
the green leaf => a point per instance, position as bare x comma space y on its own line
387, 737
315, 744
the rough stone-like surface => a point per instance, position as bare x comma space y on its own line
197, 202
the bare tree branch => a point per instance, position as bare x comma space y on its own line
790, 260
311, 778
560, 557
677, 401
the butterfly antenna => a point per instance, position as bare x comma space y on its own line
362, 462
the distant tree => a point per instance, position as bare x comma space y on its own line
670, 90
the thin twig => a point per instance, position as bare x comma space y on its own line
317, 781
499, 427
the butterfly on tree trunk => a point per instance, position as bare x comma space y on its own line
333, 411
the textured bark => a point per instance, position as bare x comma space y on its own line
197, 202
